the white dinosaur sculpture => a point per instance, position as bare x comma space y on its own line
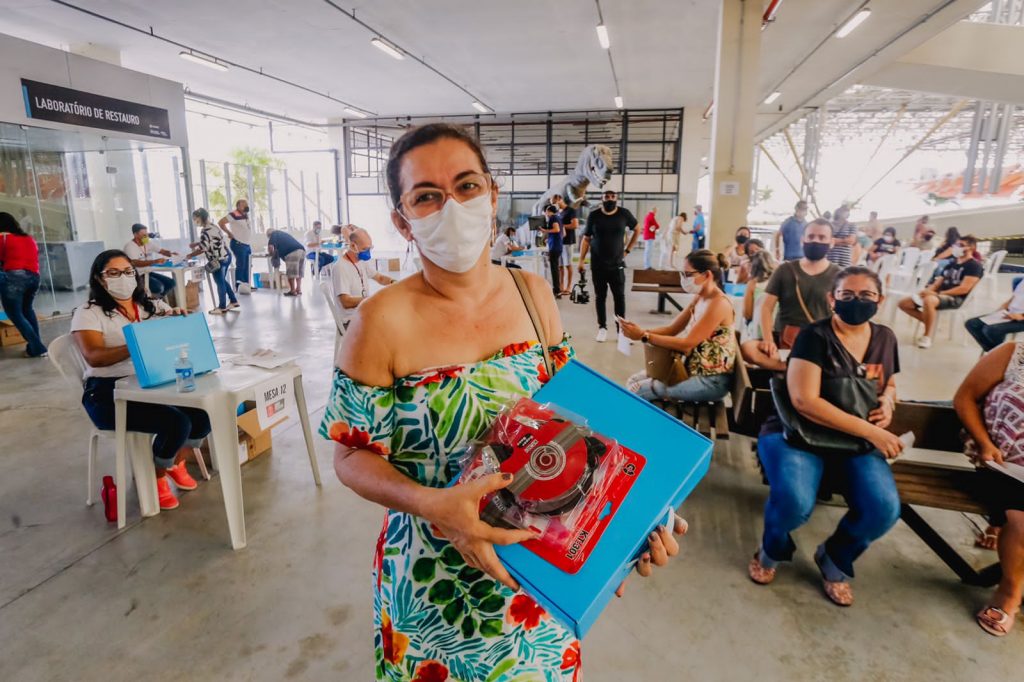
594, 166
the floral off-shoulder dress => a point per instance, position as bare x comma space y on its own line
435, 618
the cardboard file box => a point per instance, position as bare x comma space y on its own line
252, 440
677, 457
9, 334
191, 297
155, 345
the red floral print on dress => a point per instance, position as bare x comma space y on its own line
439, 375
378, 555
526, 611
559, 358
430, 671
516, 348
571, 660
355, 438
393, 643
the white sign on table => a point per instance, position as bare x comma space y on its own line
272, 399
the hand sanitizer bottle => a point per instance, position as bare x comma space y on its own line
185, 373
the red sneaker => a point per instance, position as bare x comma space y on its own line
179, 474
164, 494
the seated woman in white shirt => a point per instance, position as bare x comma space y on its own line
503, 246
351, 273
117, 299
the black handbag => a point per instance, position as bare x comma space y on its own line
857, 396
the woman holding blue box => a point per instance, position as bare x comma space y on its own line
425, 367
117, 299
833, 408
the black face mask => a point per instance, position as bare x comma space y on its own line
741, 240
245, 210
608, 205
815, 250
856, 311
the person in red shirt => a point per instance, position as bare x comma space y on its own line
19, 283
651, 227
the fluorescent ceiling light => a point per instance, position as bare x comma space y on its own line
853, 23
602, 36
772, 97
618, 101
205, 61
387, 48
356, 112
482, 108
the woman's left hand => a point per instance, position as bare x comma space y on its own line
630, 330
881, 416
662, 545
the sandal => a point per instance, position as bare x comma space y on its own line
758, 573
995, 621
988, 539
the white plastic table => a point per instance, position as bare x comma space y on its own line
218, 394
536, 256
178, 273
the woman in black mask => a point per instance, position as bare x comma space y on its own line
840, 375
736, 255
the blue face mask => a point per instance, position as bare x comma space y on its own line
364, 255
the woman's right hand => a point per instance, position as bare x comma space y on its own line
988, 452
768, 347
456, 513
886, 442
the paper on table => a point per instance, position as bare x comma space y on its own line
263, 357
1009, 469
624, 345
998, 317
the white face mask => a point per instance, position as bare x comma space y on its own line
121, 287
958, 251
689, 285
455, 236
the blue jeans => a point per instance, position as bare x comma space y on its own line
243, 257
324, 260
794, 476
174, 427
17, 291
159, 285
989, 336
649, 245
693, 390
224, 290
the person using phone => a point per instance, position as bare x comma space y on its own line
990, 403
703, 333
845, 345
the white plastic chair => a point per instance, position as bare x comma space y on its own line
992, 265
65, 356
904, 274
327, 289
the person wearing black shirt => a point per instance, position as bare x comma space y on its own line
604, 237
554, 233
567, 217
948, 291
886, 245
846, 345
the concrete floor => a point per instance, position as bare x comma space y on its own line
167, 599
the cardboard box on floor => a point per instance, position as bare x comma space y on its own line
252, 440
191, 297
9, 334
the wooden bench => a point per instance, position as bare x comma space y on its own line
661, 282
938, 485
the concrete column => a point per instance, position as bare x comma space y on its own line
337, 140
693, 147
732, 133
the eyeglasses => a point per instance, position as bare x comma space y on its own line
127, 272
691, 273
423, 201
847, 295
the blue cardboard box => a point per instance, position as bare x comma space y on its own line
677, 459
155, 345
